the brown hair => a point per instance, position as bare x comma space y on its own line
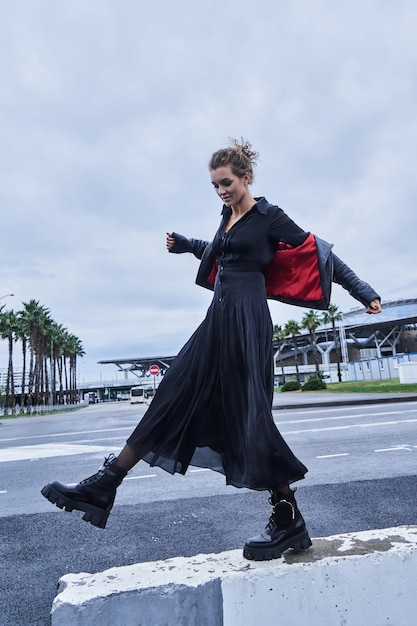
239, 155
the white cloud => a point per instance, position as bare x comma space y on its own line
110, 113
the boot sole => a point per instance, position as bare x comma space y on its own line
299, 542
92, 514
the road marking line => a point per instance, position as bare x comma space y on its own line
3, 491
330, 456
407, 448
204, 469
71, 434
370, 425
335, 409
138, 477
46, 450
342, 417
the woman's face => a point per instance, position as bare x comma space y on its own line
229, 187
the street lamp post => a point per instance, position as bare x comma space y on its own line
7, 295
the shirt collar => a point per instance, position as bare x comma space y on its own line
261, 205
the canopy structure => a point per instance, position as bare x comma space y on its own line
139, 367
359, 335
386, 333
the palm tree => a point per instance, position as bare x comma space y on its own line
66, 350
22, 334
36, 319
49, 345
58, 352
331, 316
292, 329
62, 345
74, 349
278, 337
310, 322
55, 340
8, 328
2, 326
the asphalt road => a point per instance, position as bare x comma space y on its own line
362, 462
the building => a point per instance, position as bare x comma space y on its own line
366, 346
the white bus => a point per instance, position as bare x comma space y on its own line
140, 394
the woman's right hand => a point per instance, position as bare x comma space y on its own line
170, 241
374, 307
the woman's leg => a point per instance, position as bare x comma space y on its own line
94, 495
285, 491
127, 458
285, 529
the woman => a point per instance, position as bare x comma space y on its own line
213, 407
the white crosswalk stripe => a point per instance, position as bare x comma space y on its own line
43, 451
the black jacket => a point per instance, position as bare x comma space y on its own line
301, 275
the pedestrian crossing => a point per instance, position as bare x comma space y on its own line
47, 450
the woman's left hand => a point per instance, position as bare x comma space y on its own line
170, 241
374, 307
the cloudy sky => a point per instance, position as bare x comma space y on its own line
111, 109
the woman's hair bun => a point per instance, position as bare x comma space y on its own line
239, 155
245, 147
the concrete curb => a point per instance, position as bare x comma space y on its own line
356, 578
280, 401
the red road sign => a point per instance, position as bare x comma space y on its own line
154, 370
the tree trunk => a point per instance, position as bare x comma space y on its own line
23, 388
315, 352
296, 358
336, 345
10, 400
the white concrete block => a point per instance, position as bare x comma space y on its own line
407, 372
350, 580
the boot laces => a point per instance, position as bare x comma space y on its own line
101, 471
272, 521
274, 502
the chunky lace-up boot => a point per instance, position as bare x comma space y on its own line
286, 529
94, 495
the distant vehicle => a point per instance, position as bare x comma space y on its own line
140, 394
91, 397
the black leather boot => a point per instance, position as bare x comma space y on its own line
286, 529
94, 495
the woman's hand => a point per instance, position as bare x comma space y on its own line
374, 307
170, 241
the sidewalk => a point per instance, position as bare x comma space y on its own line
308, 399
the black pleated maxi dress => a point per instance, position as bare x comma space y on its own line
213, 406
